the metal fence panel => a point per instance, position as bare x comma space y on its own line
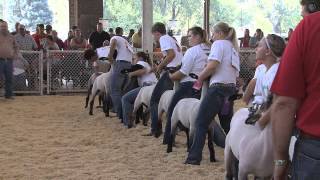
67, 71
29, 81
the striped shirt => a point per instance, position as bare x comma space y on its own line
26, 42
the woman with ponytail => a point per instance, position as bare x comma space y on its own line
222, 69
193, 62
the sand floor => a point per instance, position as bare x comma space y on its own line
53, 137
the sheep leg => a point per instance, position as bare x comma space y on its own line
92, 102
106, 105
100, 102
188, 139
88, 96
211, 148
231, 163
139, 114
172, 136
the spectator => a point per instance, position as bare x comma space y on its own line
97, 38
244, 41
8, 52
78, 42
129, 38
309, 6
297, 101
122, 61
16, 28
68, 40
51, 44
137, 39
40, 36
254, 41
289, 34
222, 68
49, 29
111, 33
57, 40
25, 41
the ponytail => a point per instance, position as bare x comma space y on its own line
229, 32
232, 36
205, 38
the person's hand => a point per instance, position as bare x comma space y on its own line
280, 172
158, 69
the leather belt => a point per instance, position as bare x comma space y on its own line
308, 136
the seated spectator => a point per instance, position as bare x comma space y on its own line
244, 41
254, 41
68, 40
57, 40
129, 38
51, 45
289, 35
137, 39
49, 29
78, 42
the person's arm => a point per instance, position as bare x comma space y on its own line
177, 76
248, 94
208, 70
138, 73
170, 56
113, 45
283, 113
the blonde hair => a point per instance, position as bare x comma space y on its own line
229, 32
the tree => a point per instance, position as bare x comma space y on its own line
28, 12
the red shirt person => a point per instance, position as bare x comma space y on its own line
297, 86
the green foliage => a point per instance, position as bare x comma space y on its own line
28, 12
269, 15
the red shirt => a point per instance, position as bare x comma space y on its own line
299, 73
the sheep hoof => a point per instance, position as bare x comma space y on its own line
213, 160
169, 150
98, 106
90, 113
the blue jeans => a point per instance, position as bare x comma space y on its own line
163, 84
210, 106
127, 104
6, 71
306, 160
185, 90
117, 80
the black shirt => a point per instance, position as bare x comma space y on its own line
96, 39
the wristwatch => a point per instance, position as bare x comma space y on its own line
280, 162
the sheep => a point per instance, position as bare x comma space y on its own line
101, 87
90, 85
184, 116
143, 99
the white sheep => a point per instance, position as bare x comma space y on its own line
101, 86
90, 85
165, 100
250, 147
184, 116
143, 99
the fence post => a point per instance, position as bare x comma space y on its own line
41, 72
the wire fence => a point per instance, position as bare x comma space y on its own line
57, 72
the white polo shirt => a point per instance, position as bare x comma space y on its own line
259, 73
122, 48
228, 69
149, 77
194, 61
166, 43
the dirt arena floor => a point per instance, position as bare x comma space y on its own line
53, 137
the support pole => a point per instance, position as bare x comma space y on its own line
147, 21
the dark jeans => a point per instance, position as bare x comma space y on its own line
185, 90
209, 108
163, 84
306, 160
117, 80
127, 104
6, 71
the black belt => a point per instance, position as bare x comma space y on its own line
171, 69
223, 85
123, 61
308, 136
